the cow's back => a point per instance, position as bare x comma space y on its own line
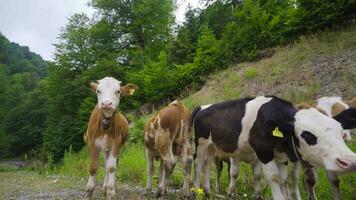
167, 120
221, 121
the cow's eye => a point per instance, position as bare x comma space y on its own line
118, 91
98, 91
309, 138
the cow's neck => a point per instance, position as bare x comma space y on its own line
107, 120
294, 149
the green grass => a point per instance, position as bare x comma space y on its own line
250, 73
132, 165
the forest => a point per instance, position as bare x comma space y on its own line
45, 106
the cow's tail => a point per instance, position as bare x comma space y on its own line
191, 123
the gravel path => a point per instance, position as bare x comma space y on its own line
29, 185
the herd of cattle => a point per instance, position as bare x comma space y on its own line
264, 131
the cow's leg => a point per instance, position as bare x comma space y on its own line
218, 167
271, 172
334, 181
160, 171
283, 175
168, 164
93, 167
111, 176
234, 172
206, 170
106, 155
150, 168
310, 179
187, 160
295, 177
256, 169
200, 160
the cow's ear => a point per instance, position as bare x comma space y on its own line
347, 118
93, 86
279, 128
337, 108
303, 105
128, 89
352, 103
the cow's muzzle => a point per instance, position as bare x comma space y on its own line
346, 164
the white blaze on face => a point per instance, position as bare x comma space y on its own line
108, 93
321, 141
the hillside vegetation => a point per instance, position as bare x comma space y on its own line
318, 65
21, 109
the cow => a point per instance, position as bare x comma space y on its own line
273, 130
219, 159
167, 135
332, 107
107, 131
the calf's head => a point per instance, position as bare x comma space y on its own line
109, 91
321, 142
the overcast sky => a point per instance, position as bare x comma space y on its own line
36, 23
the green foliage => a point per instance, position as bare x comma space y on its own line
250, 73
136, 132
132, 165
76, 164
22, 108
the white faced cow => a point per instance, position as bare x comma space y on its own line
276, 132
332, 107
107, 131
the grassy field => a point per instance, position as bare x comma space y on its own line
314, 66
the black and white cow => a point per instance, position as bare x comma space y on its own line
274, 131
219, 159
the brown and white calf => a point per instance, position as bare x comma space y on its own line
167, 134
330, 106
107, 131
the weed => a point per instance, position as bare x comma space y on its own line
250, 73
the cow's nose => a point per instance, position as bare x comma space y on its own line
106, 104
347, 163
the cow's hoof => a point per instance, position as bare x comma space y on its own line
185, 195
259, 198
147, 191
231, 194
206, 191
111, 196
89, 194
160, 192
207, 196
